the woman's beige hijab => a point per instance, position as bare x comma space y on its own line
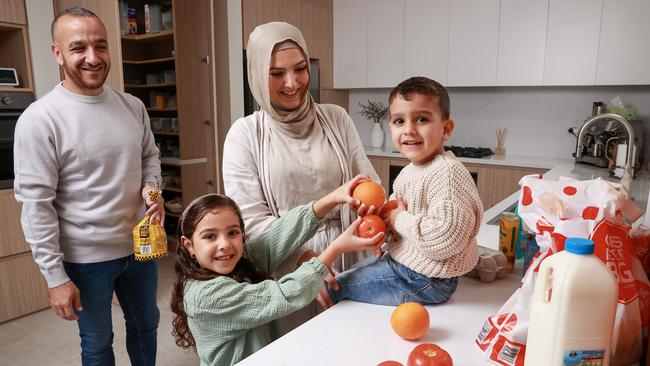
259, 49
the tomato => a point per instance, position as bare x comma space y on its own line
370, 225
429, 354
389, 363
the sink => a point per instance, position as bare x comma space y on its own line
495, 219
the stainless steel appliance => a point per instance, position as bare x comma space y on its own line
12, 104
598, 138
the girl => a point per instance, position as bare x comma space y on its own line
224, 301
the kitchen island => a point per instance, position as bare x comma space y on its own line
352, 333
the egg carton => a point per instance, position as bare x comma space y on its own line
491, 265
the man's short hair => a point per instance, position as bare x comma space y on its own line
425, 86
75, 11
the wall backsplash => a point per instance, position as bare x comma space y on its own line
537, 117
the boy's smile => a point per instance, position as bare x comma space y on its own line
417, 128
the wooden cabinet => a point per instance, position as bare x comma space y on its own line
572, 42
622, 56
13, 11
350, 43
426, 39
22, 287
14, 53
473, 41
522, 42
385, 43
494, 182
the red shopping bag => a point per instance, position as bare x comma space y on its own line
556, 210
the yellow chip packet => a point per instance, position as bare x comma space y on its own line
149, 238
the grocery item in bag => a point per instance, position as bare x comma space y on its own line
573, 309
554, 211
508, 237
149, 238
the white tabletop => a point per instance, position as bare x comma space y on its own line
353, 333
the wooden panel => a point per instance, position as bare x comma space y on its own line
193, 74
12, 240
13, 11
498, 182
14, 52
221, 110
108, 12
312, 17
23, 289
338, 97
194, 181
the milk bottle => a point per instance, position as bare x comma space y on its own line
573, 309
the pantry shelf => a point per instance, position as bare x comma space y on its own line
151, 61
147, 86
150, 37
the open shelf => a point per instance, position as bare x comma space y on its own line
149, 37
161, 109
173, 189
146, 86
164, 133
151, 61
10, 89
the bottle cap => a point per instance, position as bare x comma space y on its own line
579, 246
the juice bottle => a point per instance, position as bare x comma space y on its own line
573, 309
508, 237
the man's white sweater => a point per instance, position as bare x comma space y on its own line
438, 230
80, 164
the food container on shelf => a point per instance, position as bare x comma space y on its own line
155, 124
169, 76
171, 101
173, 127
175, 205
153, 78
165, 124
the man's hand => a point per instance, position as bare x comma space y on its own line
155, 209
64, 299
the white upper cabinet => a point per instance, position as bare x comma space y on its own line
624, 38
350, 43
426, 39
572, 42
385, 43
473, 38
522, 42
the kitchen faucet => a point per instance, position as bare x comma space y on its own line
626, 180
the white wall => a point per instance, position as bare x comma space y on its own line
40, 15
235, 59
537, 117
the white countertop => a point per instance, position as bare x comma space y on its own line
353, 333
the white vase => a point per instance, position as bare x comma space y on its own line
376, 136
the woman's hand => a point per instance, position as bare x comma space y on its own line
342, 194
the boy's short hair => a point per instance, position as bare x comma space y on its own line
424, 86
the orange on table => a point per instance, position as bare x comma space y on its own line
370, 193
410, 320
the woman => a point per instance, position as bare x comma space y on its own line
293, 150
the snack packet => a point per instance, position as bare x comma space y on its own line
149, 238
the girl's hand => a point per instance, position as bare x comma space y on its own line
348, 241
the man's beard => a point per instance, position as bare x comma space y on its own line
75, 76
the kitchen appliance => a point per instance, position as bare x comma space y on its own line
8, 77
469, 152
598, 139
12, 104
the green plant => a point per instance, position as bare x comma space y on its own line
374, 111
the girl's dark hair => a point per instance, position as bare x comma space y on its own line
188, 268
425, 86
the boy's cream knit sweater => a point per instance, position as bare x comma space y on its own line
444, 213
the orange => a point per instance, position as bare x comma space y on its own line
410, 320
370, 193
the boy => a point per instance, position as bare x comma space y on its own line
438, 214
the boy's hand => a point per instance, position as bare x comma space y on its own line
390, 216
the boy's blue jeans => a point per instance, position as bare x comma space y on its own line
388, 282
135, 284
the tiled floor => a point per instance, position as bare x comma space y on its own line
43, 338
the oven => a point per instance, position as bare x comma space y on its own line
12, 104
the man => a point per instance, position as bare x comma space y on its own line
85, 160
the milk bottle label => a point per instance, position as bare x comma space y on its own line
584, 357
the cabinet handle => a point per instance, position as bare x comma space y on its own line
209, 182
206, 122
205, 59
